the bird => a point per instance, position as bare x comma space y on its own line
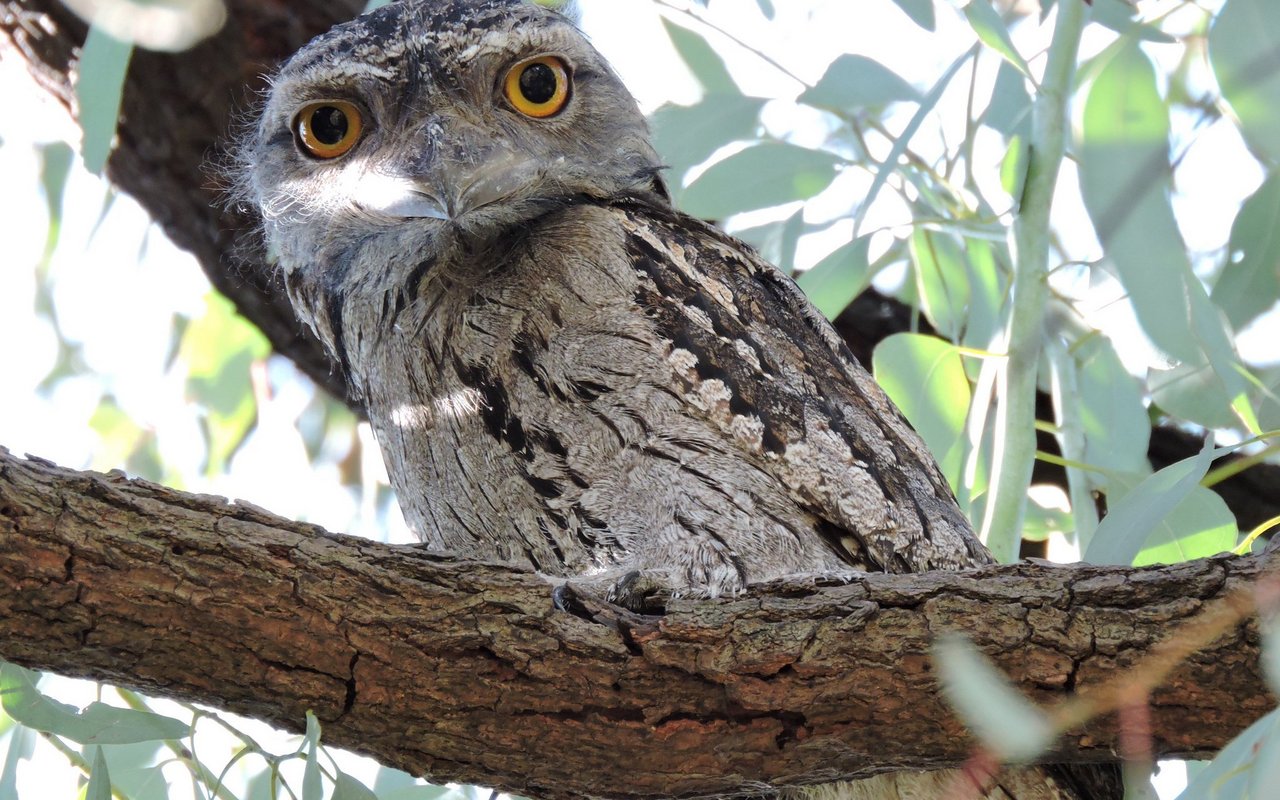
563, 370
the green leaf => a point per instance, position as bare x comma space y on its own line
99, 787
853, 83
1128, 524
134, 770
99, 87
942, 280
686, 136
1250, 280
766, 8
1265, 775
219, 349
991, 30
925, 377
1199, 526
1006, 723
767, 174
1192, 392
346, 787
886, 167
312, 785
1010, 108
834, 281
55, 167
96, 724
22, 744
776, 241
1244, 49
920, 11
1126, 180
1112, 415
705, 63
1119, 16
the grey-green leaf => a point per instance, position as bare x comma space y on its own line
99, 87
925, 376
705, 63
1250, 281
853, 83
1121, 534
97, 724
1244, 49
685, 136
834, 281
99, 787
1007, 724
920, 11
346, 787
991, 30
767, 174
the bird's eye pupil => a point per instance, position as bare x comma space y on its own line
538, 83
328, 125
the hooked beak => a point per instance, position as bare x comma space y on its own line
451, 190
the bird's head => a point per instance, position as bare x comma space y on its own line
422, 119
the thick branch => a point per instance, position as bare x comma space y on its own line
464, 671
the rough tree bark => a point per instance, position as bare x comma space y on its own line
464, 671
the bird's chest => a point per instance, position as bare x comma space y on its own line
500, 402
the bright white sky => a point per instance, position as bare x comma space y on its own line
118, 281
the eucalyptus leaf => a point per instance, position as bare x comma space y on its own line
1244, 49
991, 30
1112, 414
767, 174
1006, 723
942, 280
1009, 110
853, 83
776, 241
1199, 526
1124, 531
346, 787
1250, 280
219, 348
99, 86
686, 136
838, 278
704, 62
1119, 16
1126, 180
312, 784
1265, 775
920, 11
925, 377
98, 723
99, 787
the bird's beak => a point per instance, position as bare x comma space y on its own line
448, 189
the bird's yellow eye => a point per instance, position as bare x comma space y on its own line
538, 87
328, 128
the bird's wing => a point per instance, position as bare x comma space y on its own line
825, 429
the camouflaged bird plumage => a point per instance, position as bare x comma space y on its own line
562, 370
574, 375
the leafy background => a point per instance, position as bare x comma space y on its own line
886, 143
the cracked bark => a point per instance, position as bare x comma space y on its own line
463, 671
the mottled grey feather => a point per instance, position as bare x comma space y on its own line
562, 370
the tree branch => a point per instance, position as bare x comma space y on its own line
464, 671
